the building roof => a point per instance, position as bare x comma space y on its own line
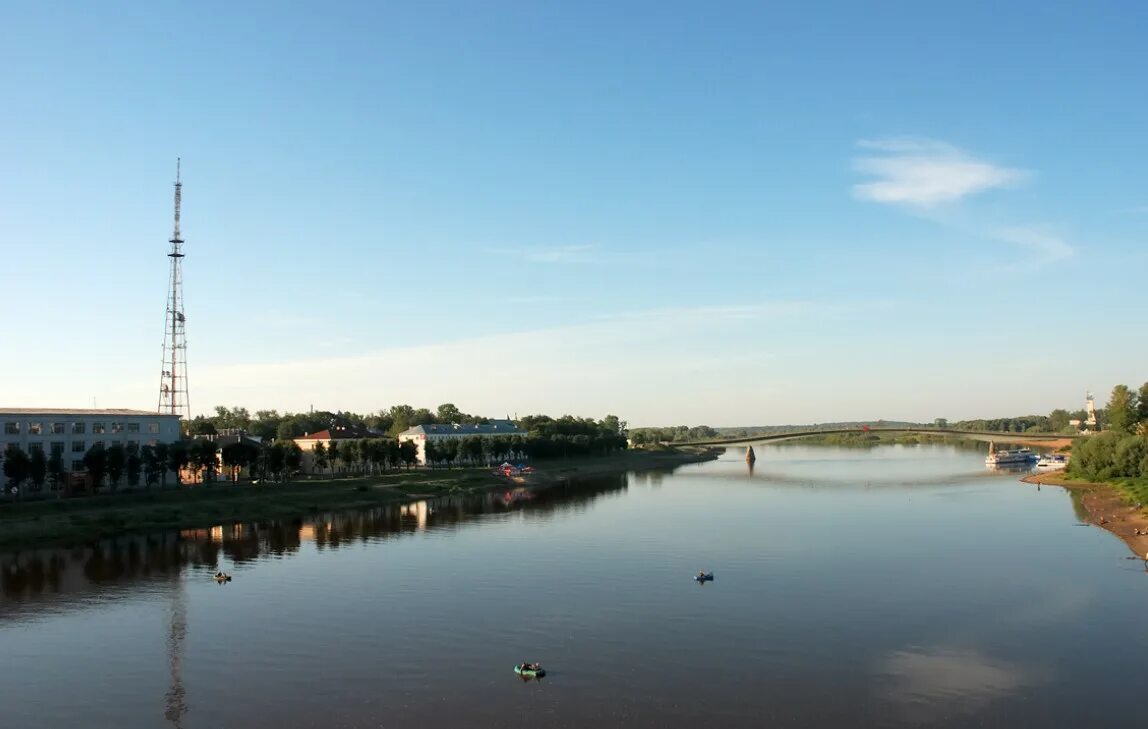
84, 411
341, 433
494, 427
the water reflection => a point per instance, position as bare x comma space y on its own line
931, 683
28, 576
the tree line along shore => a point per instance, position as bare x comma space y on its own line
199, 457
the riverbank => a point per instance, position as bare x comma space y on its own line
1106, 506
76, 521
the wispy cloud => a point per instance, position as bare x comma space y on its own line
1041, 241
925, 172
609, 362
1134, 210
548, 254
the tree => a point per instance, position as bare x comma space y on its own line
1058, 420
162, 462
612, 425
333, 454
447, 450
448, 413
38, 468
237, 456
200, 425
408, 452
203, 456
266, 424
1142, 405
151, 464
277, 459
292, 457
134, 465
319, 456
350, 454
56, 469
96, 463
115, 460
232, 418
431, 452
178, 456
364, 451
17, 466
1122, 410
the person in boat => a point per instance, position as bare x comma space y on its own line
527, 666
219, 575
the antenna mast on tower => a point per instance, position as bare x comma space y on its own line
173, 374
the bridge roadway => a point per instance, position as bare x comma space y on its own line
984, 435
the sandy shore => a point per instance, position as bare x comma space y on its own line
1106, 509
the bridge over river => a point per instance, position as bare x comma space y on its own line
1050, 439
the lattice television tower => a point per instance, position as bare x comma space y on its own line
173, 378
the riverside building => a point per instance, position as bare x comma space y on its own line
420, 434
72, 432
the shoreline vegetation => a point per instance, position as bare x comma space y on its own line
69, 522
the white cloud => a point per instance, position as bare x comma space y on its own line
547, 254
926, 172
1047, 246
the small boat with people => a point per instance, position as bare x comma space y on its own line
221, 577
704, 577
527, 669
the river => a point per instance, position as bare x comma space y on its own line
891, 587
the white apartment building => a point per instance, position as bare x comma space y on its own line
420, 434
72, 432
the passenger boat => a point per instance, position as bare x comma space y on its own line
526, 671
1019, 457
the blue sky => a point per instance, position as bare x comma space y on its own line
677, 212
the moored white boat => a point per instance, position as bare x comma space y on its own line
1052, 461
1019, 457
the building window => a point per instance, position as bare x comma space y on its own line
57, 428
11, 429
133, 444
57, 448
98, 444
97, 427
33, 447
35, 428
153, 427
78, 446
77, 466
78, 428
117, 427
133, 427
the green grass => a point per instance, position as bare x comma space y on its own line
1135, 489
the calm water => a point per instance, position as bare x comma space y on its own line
888, 588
